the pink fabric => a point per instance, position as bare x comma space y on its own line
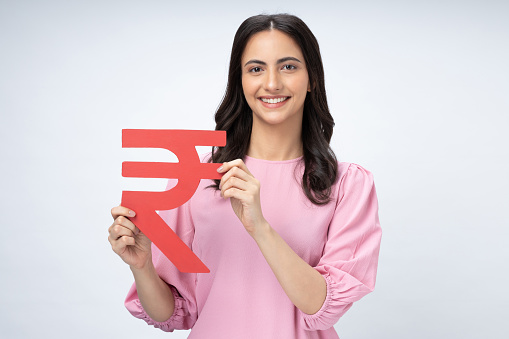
240, 297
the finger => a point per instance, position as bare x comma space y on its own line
117, 231
121, 210
236, 194
234, 182
234, 163
125, 222
121, 243
235, 172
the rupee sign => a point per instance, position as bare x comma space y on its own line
189, 171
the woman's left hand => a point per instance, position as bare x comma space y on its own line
243, 189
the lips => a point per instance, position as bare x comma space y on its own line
274, 100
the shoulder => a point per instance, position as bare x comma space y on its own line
352, 179
349, 170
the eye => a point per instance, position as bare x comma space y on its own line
289, 67
255, 69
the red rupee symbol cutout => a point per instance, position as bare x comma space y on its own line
189, 171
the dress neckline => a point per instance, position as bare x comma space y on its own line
275, 161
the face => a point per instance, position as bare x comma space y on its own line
274, 79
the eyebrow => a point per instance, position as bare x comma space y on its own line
285, 59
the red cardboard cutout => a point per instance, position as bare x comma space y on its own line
189, 171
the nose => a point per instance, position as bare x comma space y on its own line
272, 81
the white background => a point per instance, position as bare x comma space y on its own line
419, 91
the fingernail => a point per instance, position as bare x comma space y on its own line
131, 213
220, 169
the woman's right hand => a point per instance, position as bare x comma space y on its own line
127, 240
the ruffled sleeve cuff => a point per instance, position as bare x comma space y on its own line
178, 320
330, 312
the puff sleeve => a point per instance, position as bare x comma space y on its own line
350, 258
182, 284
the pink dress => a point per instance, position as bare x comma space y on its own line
240, 297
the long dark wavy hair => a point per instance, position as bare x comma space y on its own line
235, 116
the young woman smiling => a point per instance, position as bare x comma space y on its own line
291, 236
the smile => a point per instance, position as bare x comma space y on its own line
274, 100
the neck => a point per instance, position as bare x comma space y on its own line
275, 143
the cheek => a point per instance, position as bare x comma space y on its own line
245, 87
304, 87
299, 85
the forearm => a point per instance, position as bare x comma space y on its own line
304, 285
155, 295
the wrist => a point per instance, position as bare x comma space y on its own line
144, 270
262, 232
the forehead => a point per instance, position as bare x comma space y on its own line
270, 46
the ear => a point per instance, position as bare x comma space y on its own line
309, 86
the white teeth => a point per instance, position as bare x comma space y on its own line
274, 101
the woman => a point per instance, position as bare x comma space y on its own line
291, 236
